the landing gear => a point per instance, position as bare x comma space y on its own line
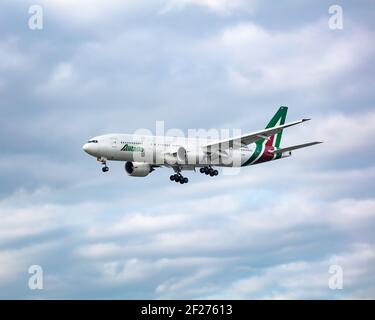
209, 171
178, 178
104, 163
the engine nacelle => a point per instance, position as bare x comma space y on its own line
181, 155
137, 169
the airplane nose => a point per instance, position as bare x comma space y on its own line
91, 148
87, 148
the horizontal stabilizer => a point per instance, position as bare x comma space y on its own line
296, 147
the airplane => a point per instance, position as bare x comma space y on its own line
143, 154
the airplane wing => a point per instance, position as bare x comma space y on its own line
252, 137
282, 150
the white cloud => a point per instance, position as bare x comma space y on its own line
11, 56
130, 271
302, 280
24, 217
351, 213
63, 72
92, 13
66, 76
15, 263
260, 61
99, 250
138, 223
199, 242
345, 135
218, 6
190, 285
11, 265
233, 236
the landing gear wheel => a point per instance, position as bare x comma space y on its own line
201, 170
216, 172
105, 169
212, 174
178, 177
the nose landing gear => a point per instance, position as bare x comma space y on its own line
104, 163
209, 171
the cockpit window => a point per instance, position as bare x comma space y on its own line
92, 141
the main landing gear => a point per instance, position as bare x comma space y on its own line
178, 178
209, 171
104, 163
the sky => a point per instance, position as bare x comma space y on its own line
271, 231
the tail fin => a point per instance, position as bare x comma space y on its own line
278, 119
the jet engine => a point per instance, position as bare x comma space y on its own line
137, 169
181, 155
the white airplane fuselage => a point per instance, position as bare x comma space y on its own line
128, 147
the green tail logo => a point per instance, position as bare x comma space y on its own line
273, 141
277, 120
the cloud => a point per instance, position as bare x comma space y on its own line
190, 285
193, 245
63, 77
218, 6
139, 223
269, 232
12, 59
94, 11
86, 13
301, 280
344, 136
350, 213
261, 61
